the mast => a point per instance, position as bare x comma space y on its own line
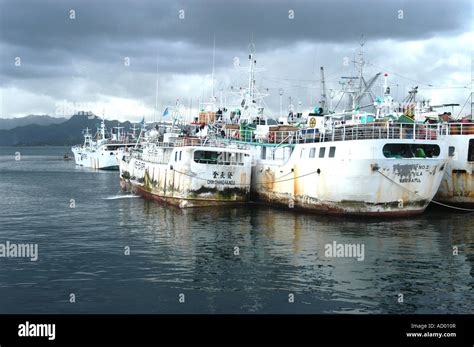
156, 92
252, 63
102, 126
87, 137
213, 66
252, 99
134, 130
323, 92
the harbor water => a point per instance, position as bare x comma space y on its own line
104, 251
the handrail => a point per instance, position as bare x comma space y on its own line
344, 132
458, 128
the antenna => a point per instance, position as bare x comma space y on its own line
213, 65
156, 92
280, 92
251, 71
361, 62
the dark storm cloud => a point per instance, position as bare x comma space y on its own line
47, 40
57, 50
38, 23
101, 24
104, 30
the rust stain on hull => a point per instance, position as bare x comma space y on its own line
202, 198
388, 209
457, 188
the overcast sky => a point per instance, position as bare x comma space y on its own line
106, 57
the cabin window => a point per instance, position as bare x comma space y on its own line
218, 158
332, 152
180, 152
451, 151
303, 152
312, 152
264, 152
470, 154
175, 156
410, 150
322, 150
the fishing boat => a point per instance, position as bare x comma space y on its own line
186, 171
457, 185
377, 168
100, 152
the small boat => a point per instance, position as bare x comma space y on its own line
66, 157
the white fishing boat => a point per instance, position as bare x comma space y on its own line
368, 169
186, 171
100, 152
457, 185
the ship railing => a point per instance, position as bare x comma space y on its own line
157, 158
274, 137
402, 131
371, 131
189, 141
163, 156
458, 128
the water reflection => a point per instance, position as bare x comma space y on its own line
194, 252
283, 252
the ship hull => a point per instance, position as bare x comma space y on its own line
98, 159
186, 183
358, 180
457, 185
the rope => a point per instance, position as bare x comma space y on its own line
276, 181
431, 200
453, 207
311, 173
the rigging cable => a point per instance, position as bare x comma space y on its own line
261, 183
431, 200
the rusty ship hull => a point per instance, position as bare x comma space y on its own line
457, 185
356, 179
184, 181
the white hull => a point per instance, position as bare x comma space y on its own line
173, 176
359, 179
101, 158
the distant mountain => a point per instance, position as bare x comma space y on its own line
66, 133
10, 123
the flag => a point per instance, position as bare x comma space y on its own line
166, 112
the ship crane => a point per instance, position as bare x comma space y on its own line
411, 95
